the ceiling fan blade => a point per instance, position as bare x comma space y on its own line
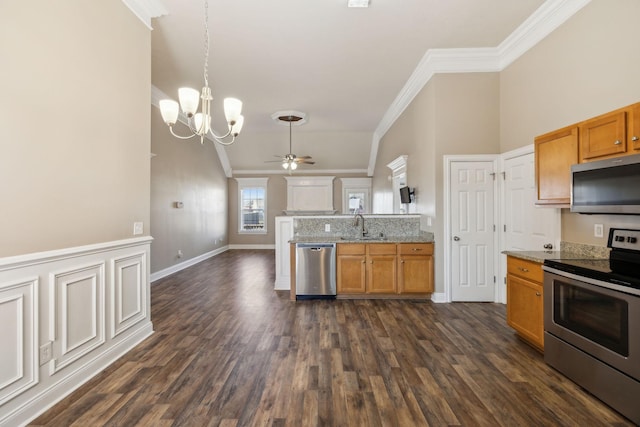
273, 161
304, 157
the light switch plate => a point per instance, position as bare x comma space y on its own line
137, 228
598, 230
327, 228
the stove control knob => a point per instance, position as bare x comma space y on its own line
619, 238
632, 239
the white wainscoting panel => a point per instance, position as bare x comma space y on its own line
79, 313
18, 337
59, 305
128, 292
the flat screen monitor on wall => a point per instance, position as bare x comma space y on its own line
405, 195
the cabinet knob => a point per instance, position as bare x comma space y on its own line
618, 142
537, 294
634, 138
524, 270
402, 261
416, 249
548, 246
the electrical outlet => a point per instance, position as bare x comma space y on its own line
598, 230
137, 228
46, 353
327, 228
179, 253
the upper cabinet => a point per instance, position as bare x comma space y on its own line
603, 136
555, 153
616, 133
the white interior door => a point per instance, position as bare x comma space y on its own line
526, 226
472, 222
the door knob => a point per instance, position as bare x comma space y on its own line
548, 246
456, 238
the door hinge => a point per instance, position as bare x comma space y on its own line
504, 175
494, 228
504, 280
493, 175
494, 279
505, 228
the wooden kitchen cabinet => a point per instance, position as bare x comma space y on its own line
384, 269
351, 268
603, 136
525, 300
381, 268
555, 152
611, 135
415, 268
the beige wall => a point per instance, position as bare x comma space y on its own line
276, 204
588, 66
453, 114
188, 172
74, 114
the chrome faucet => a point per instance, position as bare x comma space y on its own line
359, 219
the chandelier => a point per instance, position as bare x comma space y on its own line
200, 123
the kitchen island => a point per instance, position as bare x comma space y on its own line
389, 258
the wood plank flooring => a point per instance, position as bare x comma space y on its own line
230, 351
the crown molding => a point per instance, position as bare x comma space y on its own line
157, 95
549, 16
298, 172
146, 9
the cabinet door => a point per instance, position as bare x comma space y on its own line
381, 274
555, 153
603, 136
415, 274
525, 309
634, 128
351, 270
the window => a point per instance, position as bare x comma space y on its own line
252, 206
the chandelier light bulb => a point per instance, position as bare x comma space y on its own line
189, 100
169, 110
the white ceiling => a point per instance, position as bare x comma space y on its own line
342, 66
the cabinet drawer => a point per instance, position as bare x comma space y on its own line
526, 269
415, 248
381, 249
351, 249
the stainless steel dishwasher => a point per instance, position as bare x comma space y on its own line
315, 270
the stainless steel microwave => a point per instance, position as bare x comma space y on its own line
610, 186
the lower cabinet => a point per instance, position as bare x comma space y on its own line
415, 268
525, 300
384, 268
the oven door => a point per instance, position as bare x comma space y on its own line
598, 320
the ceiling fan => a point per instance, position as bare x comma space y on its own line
290, 161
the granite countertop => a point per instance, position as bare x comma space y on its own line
540, 256
425, 237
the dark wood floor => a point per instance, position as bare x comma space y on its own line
230, 351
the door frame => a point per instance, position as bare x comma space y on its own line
448, 160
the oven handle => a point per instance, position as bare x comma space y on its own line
601, 283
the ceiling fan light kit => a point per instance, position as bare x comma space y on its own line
200, 123
358, 3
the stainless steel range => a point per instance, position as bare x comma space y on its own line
592, 322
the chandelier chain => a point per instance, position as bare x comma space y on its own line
206, 43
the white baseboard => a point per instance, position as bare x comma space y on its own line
252, 246
283, 284
439, 297
185, 264
48, 397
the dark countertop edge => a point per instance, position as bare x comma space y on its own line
540, 256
